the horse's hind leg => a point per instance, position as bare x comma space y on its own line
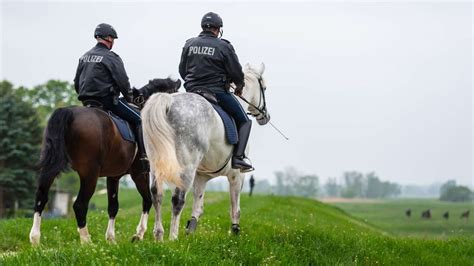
198, 203
235, 186
40, 203
112, 196
157, 198
81, 205
142, 182
177, 201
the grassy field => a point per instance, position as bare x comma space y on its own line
390, 216
275, 230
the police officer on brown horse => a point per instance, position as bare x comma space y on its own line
101, 77
210, 62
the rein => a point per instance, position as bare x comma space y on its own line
262, 110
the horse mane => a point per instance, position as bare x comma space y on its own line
167, 85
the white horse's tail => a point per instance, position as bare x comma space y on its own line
159, 138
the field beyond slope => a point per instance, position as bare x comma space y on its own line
275, 230
390, 216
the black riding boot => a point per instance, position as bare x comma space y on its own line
238, 158
145, 164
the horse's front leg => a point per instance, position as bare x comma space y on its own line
113, 206
235, 186
157, 199
81, 205
142, 182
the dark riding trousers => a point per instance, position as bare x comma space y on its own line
229, 103
121, 108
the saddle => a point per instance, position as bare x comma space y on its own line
209, 95
229, 123
122, 125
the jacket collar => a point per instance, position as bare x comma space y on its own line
207, 34
101, 45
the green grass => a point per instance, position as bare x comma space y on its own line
275, 230
390, 216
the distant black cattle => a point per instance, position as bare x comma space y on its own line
408, 212
446, 215
465, 215
426, 214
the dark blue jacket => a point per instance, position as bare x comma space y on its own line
101, 73
209, 62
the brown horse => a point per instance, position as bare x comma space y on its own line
87, 140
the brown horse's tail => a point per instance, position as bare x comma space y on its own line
54, 158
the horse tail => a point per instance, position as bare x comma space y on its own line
159, 137
54, 158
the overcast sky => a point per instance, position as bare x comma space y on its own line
366, 86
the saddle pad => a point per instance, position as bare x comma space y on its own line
123, 127
229, 125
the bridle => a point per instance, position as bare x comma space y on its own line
262, 110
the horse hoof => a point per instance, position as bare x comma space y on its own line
35, 240
136, 238
86, 241
235, 229
158, 235
84, 235
191, 226
110, 238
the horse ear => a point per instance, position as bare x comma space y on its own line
262, 68
178, 84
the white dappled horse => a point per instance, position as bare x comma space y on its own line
186, 144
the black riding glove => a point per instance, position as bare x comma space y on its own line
238, 90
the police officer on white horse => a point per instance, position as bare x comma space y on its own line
101, 77
209, 61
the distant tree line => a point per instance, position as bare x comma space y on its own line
290, 182
23, 115
354, 185
449, 191
358, 185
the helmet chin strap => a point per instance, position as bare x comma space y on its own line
221, 32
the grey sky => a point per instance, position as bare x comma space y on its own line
365, 86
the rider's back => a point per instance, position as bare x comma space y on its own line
209, 62
99, 70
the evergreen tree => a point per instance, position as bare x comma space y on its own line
20, 139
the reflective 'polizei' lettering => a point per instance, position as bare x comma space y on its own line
92, 58
204, 50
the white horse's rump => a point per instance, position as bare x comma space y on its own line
186, 143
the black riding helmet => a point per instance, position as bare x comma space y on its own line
211, 20
104, 30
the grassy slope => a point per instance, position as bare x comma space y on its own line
274, 230
390, 216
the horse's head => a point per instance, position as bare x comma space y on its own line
254, 93
166, 85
